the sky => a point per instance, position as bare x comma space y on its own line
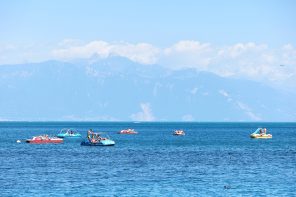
159, 23
252, 40
243, 39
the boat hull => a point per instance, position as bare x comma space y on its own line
101, 143
68, 136
50, 141
128, 133
260, 136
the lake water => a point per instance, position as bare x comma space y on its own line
212, 159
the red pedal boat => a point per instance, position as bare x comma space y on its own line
44, 139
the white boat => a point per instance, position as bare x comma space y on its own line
179, 132
127, 131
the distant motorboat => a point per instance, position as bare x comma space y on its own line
69, 133
44, 139
179, 132
261, 133
127, 131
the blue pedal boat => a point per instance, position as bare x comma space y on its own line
69, 133
96, 139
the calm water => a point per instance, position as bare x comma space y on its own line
213, 159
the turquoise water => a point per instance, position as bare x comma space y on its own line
212, 159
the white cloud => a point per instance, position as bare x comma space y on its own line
83, 51
143, 53
250, 60
187, 54
145, 114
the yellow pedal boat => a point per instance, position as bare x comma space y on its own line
261, 134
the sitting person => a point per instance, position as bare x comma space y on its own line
89, 132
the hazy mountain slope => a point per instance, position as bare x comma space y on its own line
118, 89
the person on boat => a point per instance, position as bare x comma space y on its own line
93, 140
90, 135
98, 136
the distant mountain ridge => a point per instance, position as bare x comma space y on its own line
118, 89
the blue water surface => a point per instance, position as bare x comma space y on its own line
212, 159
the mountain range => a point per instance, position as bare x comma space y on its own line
117, 89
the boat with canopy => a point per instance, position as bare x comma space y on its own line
97, 139
69, 133
261, 133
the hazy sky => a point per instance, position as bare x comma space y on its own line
247, 39
160, 23
244, 39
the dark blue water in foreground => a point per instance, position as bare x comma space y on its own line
213, 159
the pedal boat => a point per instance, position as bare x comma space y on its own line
179, 132
97, 140
260, 135
44, 139
69, 133
127, 131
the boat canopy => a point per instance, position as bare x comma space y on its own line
257, 131
68, 131
98, 133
